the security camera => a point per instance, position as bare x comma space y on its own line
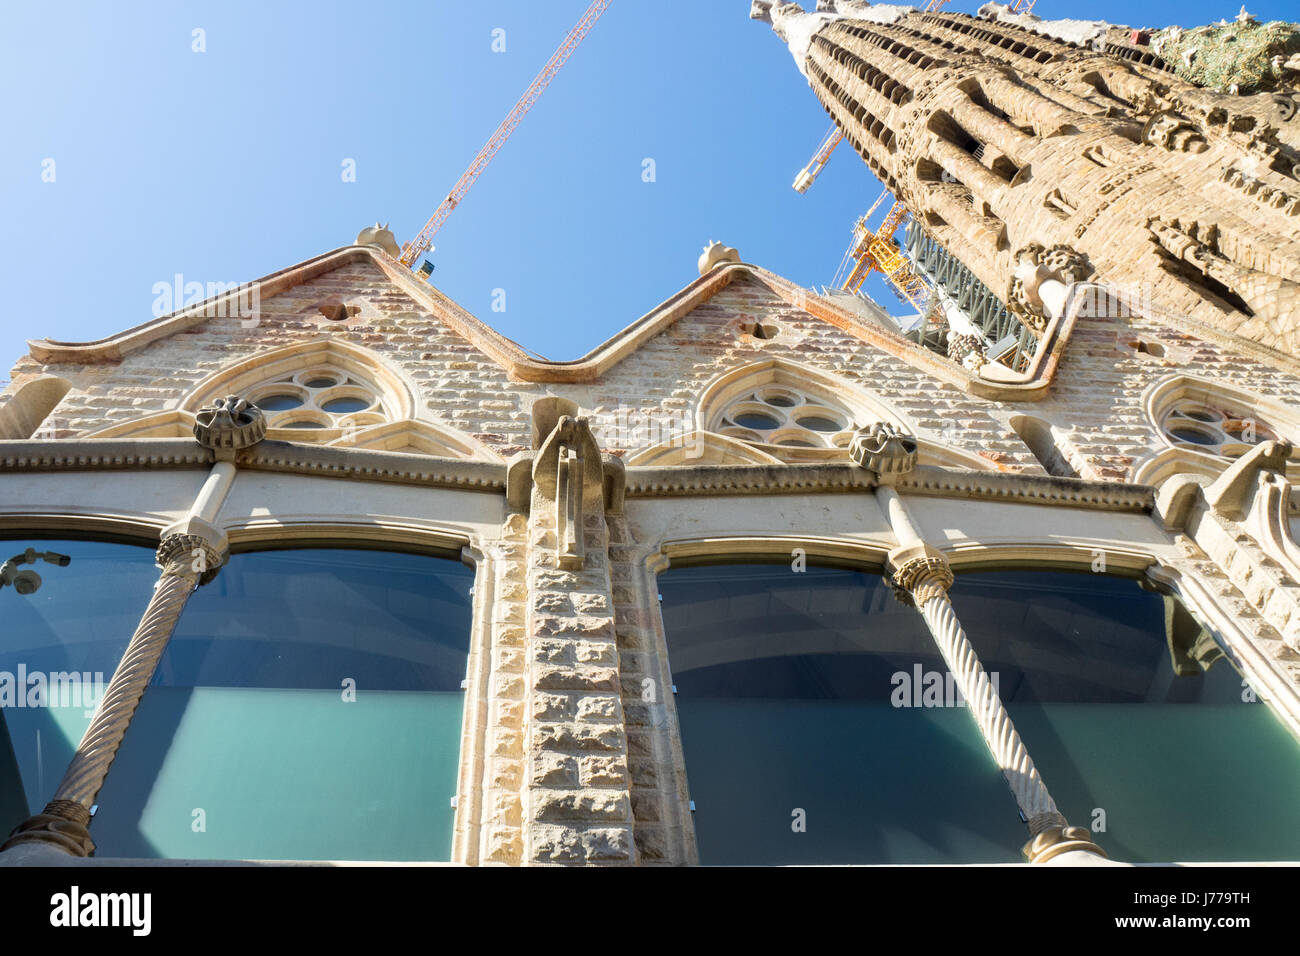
26, 582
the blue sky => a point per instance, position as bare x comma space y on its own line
226, 165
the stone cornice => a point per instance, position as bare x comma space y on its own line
96, 454
369, 465
669, 481
926, 480
91, 454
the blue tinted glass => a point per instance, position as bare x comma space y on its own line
308, 707
1176, 767
59, 645
815, 698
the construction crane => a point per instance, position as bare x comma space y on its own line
874, 250
808, 175
421, 244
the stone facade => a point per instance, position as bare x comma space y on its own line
570, 486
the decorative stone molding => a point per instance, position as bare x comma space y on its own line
228, 426
927, 480
884, 450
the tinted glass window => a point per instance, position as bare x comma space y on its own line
309, 706
65, 621
1178, 764
818, 726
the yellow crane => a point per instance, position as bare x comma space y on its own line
875, 250
421, 244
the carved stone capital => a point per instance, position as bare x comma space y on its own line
1056, 840
884, 450
918, 573
62, 824
182, 554
229, 425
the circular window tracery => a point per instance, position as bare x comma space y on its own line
786, 417
319, 398
1215, 429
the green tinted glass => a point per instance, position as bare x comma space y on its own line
308, 707
68, 611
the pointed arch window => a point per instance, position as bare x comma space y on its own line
1207, 418
789, 411
320, 391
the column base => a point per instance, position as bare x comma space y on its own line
1056, 840
62, 824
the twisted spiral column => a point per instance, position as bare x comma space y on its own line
186, 560
925, 580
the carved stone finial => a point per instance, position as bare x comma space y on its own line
884, 450
229, 425
380, 236
714, 255
967, 351
1036, 263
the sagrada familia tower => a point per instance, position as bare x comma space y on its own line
1026, 155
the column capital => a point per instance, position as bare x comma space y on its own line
918, 573
191, 551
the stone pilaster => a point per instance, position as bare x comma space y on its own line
577, 806
503, 840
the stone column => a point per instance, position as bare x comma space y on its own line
191, 553
921, 577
